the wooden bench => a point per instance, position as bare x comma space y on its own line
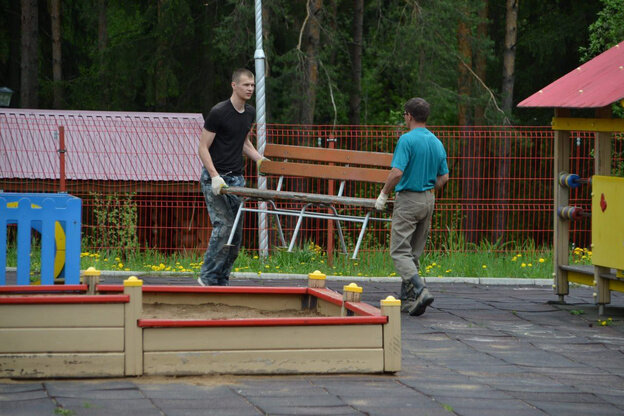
319, 163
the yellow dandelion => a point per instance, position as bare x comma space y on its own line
523, 265
541, 260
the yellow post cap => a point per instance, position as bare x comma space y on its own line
91, 271
391, 301
316, 275
352, 287
133, 281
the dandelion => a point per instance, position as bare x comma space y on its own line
255, 257
541, 260
530, 265
514, 258
448, 270
523, 265
120, 265
484, 266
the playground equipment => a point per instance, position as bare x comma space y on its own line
601, 84
69, 333
57, 217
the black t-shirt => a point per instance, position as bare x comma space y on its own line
231, 128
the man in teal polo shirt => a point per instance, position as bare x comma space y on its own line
418, 168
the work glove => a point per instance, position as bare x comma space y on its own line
217, 184
259, 163
380, 204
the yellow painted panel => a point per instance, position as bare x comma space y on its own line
264, 362
580, 278
61, 365
61, 315
617, 285
18, 340
268, 337
588, 124
608, 221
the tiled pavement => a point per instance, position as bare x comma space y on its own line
480, 350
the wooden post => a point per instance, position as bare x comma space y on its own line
561, 228
133, 335
351, 293
91, 277
391, 308
602, 166
316, 279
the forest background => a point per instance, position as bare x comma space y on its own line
328, 61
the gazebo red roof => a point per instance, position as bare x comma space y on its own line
596, 83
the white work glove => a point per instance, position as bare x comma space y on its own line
217, 184
380, 204
258, 164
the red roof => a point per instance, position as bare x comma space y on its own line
596, 83
112, 146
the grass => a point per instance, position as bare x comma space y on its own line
486, 261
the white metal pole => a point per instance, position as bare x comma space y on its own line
259, 57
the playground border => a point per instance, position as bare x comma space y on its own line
492, 281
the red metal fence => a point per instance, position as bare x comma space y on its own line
137, 175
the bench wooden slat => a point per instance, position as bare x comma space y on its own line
300, 197
319, 154
308, 170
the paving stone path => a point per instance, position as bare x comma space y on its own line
480, 350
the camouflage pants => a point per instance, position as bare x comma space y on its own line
222, 209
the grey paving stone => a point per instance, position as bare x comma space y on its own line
471, 390
23, 395
208, 403
136, 405
310, 411
19, 387
122, 390
326, 400
213, 412
27, 408
405, 411
577, 409
575, 397
184, 391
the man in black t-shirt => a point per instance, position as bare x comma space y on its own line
224, 141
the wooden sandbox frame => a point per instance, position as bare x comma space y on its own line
62, 331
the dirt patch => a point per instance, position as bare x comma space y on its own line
217, 311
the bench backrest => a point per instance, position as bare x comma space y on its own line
316, 162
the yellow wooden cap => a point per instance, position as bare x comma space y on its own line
391, 301
352, 287
91, 271
316, 275
133, 281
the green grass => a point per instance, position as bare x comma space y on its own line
487, 261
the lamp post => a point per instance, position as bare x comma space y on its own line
5, 96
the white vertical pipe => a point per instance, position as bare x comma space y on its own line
259, 57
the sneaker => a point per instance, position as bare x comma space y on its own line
201, 283
423, 300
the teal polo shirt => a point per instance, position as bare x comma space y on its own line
422, 158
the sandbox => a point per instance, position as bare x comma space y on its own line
61, 331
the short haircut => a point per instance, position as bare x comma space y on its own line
240, 72
418, 108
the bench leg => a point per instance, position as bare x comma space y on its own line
361, 236
339, 228
297, 227
279, 224
236, 220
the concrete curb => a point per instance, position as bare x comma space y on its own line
492, 281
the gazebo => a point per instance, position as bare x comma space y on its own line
596, 84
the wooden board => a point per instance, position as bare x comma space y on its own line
320, 154
283, 361
27, 340
260, 338
268, 194
61, 315
61, 365
309, 170
269, 302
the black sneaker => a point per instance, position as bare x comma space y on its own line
423, 300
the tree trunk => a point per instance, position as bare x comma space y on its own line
311, 71
102, 45
509, 55
29, 94
57, 63
356, 63
480, 61
469, 165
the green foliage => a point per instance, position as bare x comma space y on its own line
115, 225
